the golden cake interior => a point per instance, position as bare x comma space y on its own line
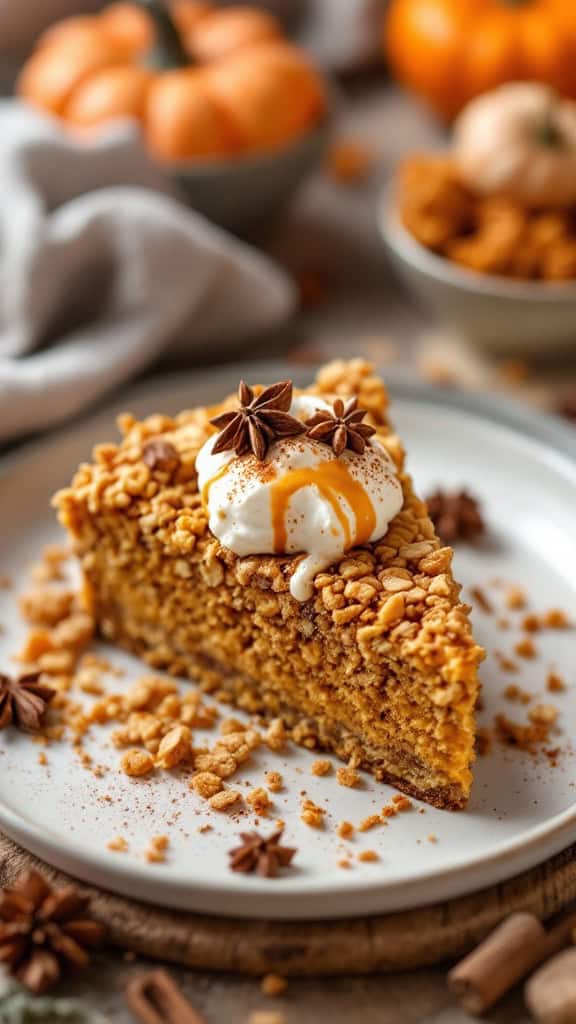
379, 666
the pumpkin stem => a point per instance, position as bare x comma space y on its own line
168, 50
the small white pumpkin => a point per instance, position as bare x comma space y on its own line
519, 140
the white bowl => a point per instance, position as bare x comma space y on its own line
503, 315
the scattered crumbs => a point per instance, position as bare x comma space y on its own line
206, 784
370, 822
344, 863
555, 683
259, 801
349, 162
225, 799
481, 600
526, 648
555, 619
276, 736
265, 1017
204, 828
345, 829
311, 814
118, 845
42, 759
274, 781
503, 622
401, 802
528, 738
231, 725
156, 852
134, 763
280, 824
516, 693
5, 582
321, 767
505, 663
273, 985
531, 623
545, 714
348, 777
432, 838
515, 598
368, 856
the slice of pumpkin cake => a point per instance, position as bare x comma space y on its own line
272, 548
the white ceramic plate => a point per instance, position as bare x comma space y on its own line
522, 811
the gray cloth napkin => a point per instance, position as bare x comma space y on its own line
101, 269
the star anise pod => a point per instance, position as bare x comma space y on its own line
258, 422
23, 701
44, 930
456, 516
265, 856
341, 427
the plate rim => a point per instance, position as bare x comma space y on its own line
537, 426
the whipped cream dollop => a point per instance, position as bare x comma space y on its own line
301, 499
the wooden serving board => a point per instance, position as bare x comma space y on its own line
394, 942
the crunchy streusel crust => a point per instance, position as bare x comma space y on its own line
379, 666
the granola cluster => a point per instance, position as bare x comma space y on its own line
158, 583
493, 235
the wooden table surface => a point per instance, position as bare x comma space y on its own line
331, 229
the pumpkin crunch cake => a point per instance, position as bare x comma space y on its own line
272, 549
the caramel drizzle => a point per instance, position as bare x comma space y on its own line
210, 483
331, 479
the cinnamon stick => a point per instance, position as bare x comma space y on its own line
154, 998
550, 993
506, 956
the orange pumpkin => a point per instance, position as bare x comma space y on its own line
202, 82
449, 51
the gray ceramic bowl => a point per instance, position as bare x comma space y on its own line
507, 316
247, 193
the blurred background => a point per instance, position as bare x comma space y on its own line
186, 183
